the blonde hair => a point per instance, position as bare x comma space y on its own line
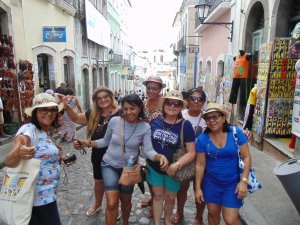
97, 111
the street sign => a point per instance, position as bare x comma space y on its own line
193, 49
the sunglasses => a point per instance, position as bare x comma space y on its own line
156, 89
195, 98
176, 104
212, 118
102, 98
45, 110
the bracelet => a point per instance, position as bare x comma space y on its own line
245, 179
90, 144
178, 165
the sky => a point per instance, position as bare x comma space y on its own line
150, 23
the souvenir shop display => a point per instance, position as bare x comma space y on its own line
8, 77
227, 84
262, 82
281, 90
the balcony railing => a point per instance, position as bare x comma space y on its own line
181, 44
117, 59
126, 63
69, 6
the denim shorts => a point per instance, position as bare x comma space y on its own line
111, 178
157, 179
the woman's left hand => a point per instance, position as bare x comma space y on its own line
241, 189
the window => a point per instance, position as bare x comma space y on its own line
257, 40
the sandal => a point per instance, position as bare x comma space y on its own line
175, 218
93, 210
150, 214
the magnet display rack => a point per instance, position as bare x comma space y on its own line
8, 83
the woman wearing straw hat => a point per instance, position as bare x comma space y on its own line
152, 109
166, 132
154, 85
218, 181
44, 118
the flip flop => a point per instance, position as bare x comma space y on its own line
92, 211
146, 203
175, 218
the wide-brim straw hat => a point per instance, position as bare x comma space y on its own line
155, 79
214, 107
43, 100
176, 95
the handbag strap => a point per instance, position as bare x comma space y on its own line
120, 140
197, 126
181, 134
236, 140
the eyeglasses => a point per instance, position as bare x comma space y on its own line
102, 98
176, 104
156, 89
212, 118
195, 98
82, 150
45, 110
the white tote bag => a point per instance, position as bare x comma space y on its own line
17, 193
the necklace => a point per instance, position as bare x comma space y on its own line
208, 153
169, 128
105, 121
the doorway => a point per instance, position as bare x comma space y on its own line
85, 88
43, 72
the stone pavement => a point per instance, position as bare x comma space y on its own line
75, 199
269, 206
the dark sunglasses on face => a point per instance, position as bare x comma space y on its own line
46, 110
195, 98
176, 104
212, 118
149, 88
102, 98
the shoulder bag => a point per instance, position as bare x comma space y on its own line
130, 175
17, 192
186, 172
253, 183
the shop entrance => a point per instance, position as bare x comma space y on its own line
43, 72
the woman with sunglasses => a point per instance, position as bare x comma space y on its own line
104, 108
195, 101
218, 181
166, 133
34, 140
123, 137
152, 109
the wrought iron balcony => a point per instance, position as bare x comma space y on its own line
117, 59
69, 6
181, 45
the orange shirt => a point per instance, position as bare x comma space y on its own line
241, 67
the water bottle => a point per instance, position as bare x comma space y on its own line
130, 162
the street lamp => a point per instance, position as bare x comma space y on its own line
203, 8
110, 57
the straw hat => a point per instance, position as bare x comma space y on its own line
43, 100
155, 79
214, 107
176, 95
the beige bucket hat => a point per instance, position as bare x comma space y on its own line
176, 95
214, 107
43, 100
155, 79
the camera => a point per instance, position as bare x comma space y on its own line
69, 158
